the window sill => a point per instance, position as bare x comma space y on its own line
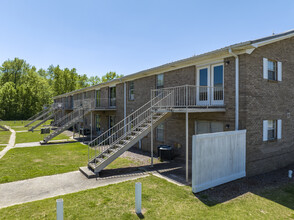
272, 81
272, 140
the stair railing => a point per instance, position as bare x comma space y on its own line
122, 129
38, 114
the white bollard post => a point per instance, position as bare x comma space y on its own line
59, 209
138, 197
290, 172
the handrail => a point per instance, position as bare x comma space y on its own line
191, 96
123, 128
38, 114
122, 121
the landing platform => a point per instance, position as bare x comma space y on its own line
88, 173
192, 110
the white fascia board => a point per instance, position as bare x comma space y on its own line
201, 59
270, 41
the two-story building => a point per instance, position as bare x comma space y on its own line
247, 85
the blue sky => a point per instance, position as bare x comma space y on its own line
131, 35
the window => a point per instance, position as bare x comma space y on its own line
210, 85
160, 133
218, 78
98, 98
272, 129
159, 81
272, 70
111, 121
203, 127
203, 83
131, 91
97, 124
112, 96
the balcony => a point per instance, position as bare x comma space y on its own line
96, 104
189, 98
68, 105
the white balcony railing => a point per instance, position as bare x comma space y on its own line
84, 103
188, 96
102, 103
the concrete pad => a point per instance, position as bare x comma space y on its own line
88, 173
50, 186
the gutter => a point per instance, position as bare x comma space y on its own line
237, 89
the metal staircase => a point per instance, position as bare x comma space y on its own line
3, 126
122, 136
47, 117
38, 116
68, 121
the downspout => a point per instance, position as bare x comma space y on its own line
237, 89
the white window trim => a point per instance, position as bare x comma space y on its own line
279, 70
210, 83
265, 129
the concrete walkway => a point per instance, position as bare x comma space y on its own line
50, 186
10, 144
36, 144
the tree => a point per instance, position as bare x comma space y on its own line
94, 80
24, 90
12, 70
8, 97
110, 76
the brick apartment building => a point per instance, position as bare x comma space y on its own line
243, 86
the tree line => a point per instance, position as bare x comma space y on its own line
24, 90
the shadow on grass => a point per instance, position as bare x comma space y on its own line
274, 186
140, 215
126, 171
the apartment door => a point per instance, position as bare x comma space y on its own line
217, 81
210, 85
203, 83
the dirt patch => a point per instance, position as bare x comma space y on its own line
37, 160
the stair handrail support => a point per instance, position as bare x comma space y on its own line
147, 114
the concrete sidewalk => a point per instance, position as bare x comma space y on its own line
10, 144
49, 186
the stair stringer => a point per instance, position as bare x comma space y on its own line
4, 128
114, 156
65, 127
40, 116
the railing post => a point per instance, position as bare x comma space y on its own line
151, 111
186, 91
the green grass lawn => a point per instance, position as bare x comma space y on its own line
30, 162
4, 136
1, 148
22, 123
25, 137
160, 200
18, 128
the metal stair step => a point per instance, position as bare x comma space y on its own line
130, 137
92, 165
125, 141
120, 145
106, 155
